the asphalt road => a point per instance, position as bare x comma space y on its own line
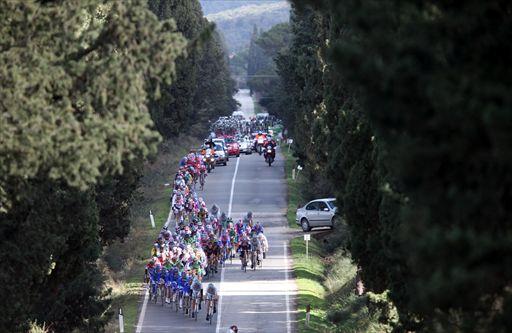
255, 301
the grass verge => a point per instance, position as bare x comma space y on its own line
125, 279
326, 280
294, 187
309, 275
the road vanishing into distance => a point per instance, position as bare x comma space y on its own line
255, 301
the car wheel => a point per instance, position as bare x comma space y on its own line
304, 224
238, 155
225, 163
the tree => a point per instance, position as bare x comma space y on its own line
73, 100
185, 106
432, 81
114, 197
215, 89
49, 248
74, 126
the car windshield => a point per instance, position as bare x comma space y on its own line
230, 140
332, 203
218, 147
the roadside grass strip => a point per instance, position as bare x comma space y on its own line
294, 185
309, 273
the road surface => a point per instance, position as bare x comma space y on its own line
255, 301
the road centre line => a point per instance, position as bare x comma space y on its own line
219, 306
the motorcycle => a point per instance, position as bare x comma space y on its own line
259, 145
270, 155
209, 160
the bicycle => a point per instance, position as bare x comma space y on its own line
254, 258
153, 291
161, 293
224, 256
186, 304
195, 305
202, 180
210, 300
243, 258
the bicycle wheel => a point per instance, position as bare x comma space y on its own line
210, 312
155, 293
196, 309
177, 302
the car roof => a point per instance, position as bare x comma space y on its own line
323, 199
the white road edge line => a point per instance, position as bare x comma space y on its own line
219, 305
143, 312
287, 297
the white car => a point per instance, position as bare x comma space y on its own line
222, 142
221, 156
245, 146
317, 213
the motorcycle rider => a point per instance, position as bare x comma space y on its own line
270, 145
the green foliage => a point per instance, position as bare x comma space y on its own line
50, 247
202, 89
413, 107
114, 197
74, 89
75, 130
261, 70
326, 281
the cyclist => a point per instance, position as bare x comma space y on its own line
255, 250
264, 244
211, 295
185, 283
244, 248
149, 270
249, 218
225, 245
196, 287
258, 228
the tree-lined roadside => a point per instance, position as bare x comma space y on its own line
86, 85
399, 109
326, 279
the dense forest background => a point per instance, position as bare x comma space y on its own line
400, 110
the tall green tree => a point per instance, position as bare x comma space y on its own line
73, 118
432, 80
74, 88
215, 90
187, 104
265, 81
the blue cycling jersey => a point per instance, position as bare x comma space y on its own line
186, 285
156, 275
168, 276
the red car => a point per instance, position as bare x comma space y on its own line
233, 147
